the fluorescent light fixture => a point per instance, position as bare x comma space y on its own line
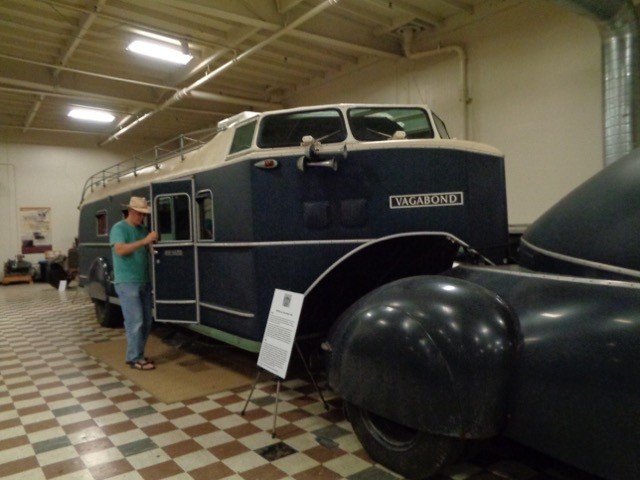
160, 51
91, 115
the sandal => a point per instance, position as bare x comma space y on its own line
144, 360
142, 365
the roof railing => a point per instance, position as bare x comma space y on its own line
151, 158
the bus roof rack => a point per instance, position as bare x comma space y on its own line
174, 147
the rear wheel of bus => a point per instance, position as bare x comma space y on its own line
108, 315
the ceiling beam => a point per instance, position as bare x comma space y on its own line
285, 5
33, 88
87, 73
393, 25
414, 11
459, 5
32, 113
79, 34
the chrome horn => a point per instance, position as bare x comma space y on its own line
304, 162
312, 157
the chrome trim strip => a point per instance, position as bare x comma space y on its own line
93, 244
549, 276
176, 302
212, 244
382, 239
283, 243
581, 261
231, 311
168, 320
172, 244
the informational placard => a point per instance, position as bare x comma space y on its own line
277, 343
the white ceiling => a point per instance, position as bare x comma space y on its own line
250, 55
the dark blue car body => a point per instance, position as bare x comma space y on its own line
545, 351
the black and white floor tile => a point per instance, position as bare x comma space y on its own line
64, 415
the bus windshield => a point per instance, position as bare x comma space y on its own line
379, 123
287, 129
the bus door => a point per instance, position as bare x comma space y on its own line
175, 256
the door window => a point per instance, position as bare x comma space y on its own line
204, 209
173, 217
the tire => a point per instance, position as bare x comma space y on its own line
108, 315
412, 453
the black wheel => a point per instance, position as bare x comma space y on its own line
411, 453
108, 315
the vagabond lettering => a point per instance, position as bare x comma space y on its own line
426, 200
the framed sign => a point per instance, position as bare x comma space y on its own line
277, 343
35, 229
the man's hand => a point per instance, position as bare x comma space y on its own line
151, 237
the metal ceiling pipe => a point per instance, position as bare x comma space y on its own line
32, 113
216, 97
196, 94
186, 91
463, 92
617, 21
60, 68
33, 88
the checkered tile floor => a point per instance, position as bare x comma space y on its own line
64, 415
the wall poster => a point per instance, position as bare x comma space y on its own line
35, 229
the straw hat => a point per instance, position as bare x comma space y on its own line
139, 204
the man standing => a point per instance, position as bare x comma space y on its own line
131, 241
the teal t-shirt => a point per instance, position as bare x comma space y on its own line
132, 268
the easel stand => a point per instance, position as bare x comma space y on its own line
278, 382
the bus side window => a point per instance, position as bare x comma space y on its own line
204, 206
242, 137
442, 129
102, 226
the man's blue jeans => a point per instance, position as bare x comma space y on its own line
135, 301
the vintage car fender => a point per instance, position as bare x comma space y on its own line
371, 265
100, 289
99, 280
430, 352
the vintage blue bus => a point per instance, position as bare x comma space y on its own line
329, 201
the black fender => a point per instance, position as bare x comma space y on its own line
370, 266
99, 284
100, 288
432, 353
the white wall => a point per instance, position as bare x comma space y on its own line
37, 176
534, 80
